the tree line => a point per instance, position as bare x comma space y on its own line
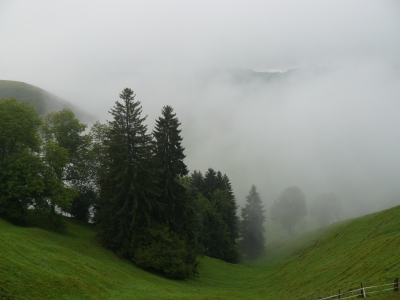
134, 185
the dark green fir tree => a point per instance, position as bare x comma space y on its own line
196, 182
252, 226
232, 220
210, 183
127, 183
174, 243
169, 156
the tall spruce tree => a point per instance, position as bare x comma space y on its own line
168, 155
219, 182
127, 184
232, 219
196, 182
210, 183
172, 211
252, 226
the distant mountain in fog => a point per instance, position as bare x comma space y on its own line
246, 76
43, 101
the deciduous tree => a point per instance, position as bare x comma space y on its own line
64, 129
19, 124
29, 170
19, 162
290, 208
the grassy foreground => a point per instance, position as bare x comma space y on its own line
40, 264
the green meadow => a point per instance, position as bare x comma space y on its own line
42, 264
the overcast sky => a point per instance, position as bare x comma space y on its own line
338, 132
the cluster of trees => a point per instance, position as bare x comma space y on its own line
219, 231
216, 226
152, 212
117, 175
144, 212
36, 162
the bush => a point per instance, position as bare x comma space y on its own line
163, 251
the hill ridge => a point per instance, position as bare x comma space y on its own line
43, 101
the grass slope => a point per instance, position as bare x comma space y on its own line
39, 264
340, 256
43, 101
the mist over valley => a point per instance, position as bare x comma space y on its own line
199, 150
298, 94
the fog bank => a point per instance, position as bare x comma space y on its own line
329, 126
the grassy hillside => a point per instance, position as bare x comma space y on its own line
43, 101
340, 256
39, 264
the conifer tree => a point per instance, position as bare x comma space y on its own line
197, 181
232, 220
252, 227
168, 155
172, 211
219, 181
127, 183
209, 182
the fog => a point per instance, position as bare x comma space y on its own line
329, 126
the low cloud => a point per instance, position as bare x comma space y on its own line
330, 128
